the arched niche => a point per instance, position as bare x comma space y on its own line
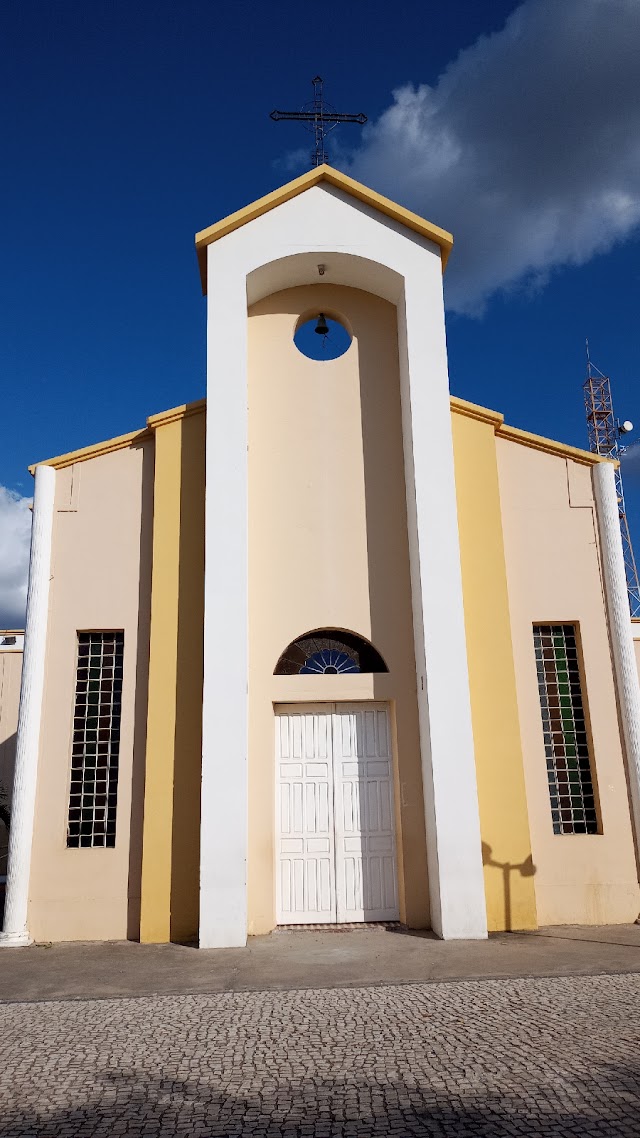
329, 651
337, 269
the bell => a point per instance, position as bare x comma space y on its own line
322, 328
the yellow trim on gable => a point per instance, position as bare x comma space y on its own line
198, 407
175, 413
562, 450
525, 438
475, 411
93, 451
335, 178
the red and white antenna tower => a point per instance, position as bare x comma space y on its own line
605, 432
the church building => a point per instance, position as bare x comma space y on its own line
333, 646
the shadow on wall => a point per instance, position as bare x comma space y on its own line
185, 843
8, 748
185, 834
375, 331
524, 868
142, 692
5, 816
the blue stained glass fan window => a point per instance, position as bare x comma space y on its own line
329, 652
329, 661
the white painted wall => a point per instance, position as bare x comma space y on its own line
361, 248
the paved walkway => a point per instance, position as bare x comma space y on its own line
499, 1058
311, 960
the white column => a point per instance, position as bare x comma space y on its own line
624, 661
30, 714
223, 833
452, 816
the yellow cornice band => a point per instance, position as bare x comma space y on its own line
198, 407
525, 438
550, 446
183, 412
93, 451
475, 411
290, 190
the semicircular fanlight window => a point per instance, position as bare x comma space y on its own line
329, 652
330, 661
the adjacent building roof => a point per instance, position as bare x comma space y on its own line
314, 177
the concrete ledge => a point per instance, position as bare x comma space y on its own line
291, 960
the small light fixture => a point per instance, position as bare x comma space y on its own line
321, 270
322, 328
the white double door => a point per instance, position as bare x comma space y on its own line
335, 827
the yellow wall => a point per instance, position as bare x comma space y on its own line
328, 548
117, 511
100, 579
155, 912
504, 823
554, 576
170, 860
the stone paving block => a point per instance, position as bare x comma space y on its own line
492, 1059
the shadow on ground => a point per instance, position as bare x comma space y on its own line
352, 1106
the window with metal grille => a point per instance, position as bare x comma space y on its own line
96, 740
573, 806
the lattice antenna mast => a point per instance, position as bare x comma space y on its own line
605, 433
320, 118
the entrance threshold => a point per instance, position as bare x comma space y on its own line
351, 926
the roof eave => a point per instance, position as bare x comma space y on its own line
291, 189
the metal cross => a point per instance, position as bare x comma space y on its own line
320, 118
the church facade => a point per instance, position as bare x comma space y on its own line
333, 646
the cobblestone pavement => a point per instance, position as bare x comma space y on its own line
498, 1057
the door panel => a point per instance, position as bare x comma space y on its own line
305, 877
335, 841
366, 875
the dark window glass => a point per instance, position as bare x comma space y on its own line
96, 740
573, 809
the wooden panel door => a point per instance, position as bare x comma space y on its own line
336, 855
366, 872
305, 872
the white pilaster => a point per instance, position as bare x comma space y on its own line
452, 817
624, 661
223, 837
23, 802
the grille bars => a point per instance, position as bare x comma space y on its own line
573, 809
96, 740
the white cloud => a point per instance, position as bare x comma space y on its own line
15, 533
527, 147
630, 463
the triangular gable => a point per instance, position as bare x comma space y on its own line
298, 186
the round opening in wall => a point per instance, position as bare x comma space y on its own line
322, 337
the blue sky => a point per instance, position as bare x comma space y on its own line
129, 126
